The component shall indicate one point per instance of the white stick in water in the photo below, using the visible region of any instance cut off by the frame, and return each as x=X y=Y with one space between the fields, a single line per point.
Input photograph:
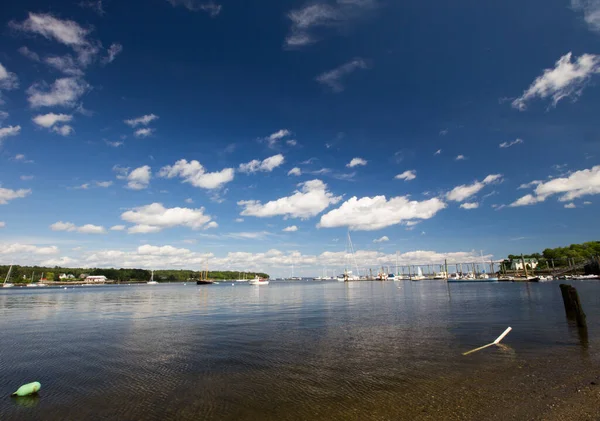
x=496 y=342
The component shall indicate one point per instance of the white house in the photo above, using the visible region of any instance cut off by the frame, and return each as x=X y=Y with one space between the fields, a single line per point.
x=96 y=279
x=518 y=264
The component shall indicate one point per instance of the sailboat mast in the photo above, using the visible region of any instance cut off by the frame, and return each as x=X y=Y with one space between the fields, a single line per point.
x=8 y=275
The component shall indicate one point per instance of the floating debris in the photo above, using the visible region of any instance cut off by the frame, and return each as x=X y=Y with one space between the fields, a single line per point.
x=28 y=389
x=496 y=342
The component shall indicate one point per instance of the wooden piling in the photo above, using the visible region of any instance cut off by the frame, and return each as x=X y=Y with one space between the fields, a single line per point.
x=573 y=307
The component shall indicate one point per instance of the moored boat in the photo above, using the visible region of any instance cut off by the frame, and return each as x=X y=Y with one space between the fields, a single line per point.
x=258 y=281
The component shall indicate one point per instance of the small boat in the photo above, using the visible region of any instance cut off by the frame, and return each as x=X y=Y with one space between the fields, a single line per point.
x=440 y=275
x=7 y=284
x=204 y=278
x=240 y=279
x=152 y=281
x=259 y=281
x=419 y=276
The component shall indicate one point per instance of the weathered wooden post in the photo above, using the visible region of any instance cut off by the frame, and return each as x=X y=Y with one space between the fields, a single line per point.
x=572 y=304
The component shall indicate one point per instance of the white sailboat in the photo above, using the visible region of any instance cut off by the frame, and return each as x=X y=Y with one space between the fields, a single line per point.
x=419 y=276
x=152 y=281
x=7 y=284
x=240 y=279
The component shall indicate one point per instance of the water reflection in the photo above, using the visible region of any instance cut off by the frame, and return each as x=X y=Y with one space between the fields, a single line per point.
x=316 y=350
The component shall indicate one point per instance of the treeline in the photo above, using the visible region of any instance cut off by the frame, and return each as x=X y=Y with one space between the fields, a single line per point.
x=563 y=256
x=24 y=274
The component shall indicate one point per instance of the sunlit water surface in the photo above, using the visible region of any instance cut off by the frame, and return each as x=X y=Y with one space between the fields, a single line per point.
x=289 y=350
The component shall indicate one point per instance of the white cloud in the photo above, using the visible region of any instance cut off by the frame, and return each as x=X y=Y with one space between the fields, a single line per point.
x=591 y=12
x=143 y=120
x=310 y=200
x=587 y=203
x=291 y=142
x=65 y=64
x=509 y=144
x=2 y=224
x=277 y=136
x=8 y=80
x=309 y=21
x=333 y=78
x=7 y=194
x=145 y=132
x=443 y=132
x=95 y=5
x=27 y=249
x=209 y=7
x=194 y=173
x=139 y=178
x=383 y=239
x=355 y=162
x=460 y=158
x=239 y=219
x=407 y=175
x=373 y=213
x=84 y=229
x=84 y=186
x=472 y=205
x=26 y=52
x=266 y=165
x=50 y=119
x=65 y=130
x=155 y=217
x=118 y=228
x=9 y=131
x=26 y=177
x=575 y=185
x=438 y=152
x=566 y=79
x=114 y=144
x=63 y=92
x=292 y=228
x=570 y=206
x=104 y=183
x=113 y=51
x=21 y=158
x=66 y=32
x=295 y=171
x=3 y=116
x=189 y=200
x=464 y=191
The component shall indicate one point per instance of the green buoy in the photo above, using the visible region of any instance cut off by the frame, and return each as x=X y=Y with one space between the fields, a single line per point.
x=28 y=389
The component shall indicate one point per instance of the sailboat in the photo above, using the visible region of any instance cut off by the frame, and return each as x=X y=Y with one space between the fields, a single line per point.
x=419 y=276
x=152 y=281
x=348 y=275
x=7 y=284
x=240 y=279
x=204 y=277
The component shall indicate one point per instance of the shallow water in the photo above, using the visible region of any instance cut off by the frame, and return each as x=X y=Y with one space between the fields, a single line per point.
x=289 y=350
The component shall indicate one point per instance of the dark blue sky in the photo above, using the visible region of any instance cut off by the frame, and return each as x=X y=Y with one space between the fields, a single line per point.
x=101 y=101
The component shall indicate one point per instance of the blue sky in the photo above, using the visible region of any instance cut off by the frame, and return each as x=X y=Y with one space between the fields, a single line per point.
x=171 y=132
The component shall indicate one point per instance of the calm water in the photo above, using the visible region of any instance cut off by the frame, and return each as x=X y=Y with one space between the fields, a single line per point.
x=296 y=350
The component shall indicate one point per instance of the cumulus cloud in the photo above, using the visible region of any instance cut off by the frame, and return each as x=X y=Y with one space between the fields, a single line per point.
x=118 y=228
x=104 y=184
x=577 y=184
x=155 y=217
x=472 y=205
x=9 y=131
x=333 y=78
x=115 y=144
x=292 y=228
x=591 y=12
x=113 y=51
x=383 y=239
x=566 y=80
x=407 y=175
x=570 y=206
x=50 y=119
x=63 y=92
x=464 y=191
x=273 y=139
x=266 y=165
x=84 y=229
x=141 y=121
x=311 y=199
x=509 y=144
x=27 y=249
x=65 y=130
x=7 y=195
x=460 y=158
x=65 y=64
x=355 y=162
x=309 y=22
x=209 y=7
x=295 y=171
x=194 y=173
x=373 y=213
x=139 y=178
x=144 y=132
x=8 y=80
